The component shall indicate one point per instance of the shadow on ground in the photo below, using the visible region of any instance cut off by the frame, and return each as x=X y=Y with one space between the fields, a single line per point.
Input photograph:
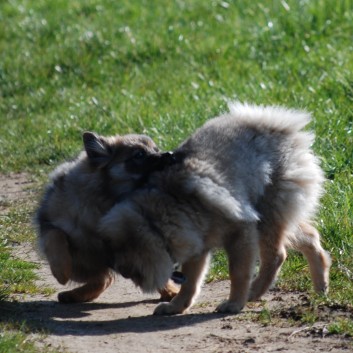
x=45 y=316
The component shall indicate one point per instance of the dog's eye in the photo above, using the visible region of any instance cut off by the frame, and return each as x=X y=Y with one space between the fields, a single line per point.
x=139 y=154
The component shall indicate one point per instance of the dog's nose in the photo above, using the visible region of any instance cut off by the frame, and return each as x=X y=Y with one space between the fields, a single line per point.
x=159 y=161
x=168 y=158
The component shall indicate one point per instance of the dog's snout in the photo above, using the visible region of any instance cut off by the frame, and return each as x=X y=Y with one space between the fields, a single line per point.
x=167 y=158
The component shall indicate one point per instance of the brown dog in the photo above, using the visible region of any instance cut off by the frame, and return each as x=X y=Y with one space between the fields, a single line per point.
x=245 y=181
x=80 y=192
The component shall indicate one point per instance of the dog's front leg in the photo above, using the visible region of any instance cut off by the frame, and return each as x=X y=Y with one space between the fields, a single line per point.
x=242 y=250
x=194 y=271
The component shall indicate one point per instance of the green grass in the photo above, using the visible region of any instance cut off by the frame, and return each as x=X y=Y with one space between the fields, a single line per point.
x=15 y=343
x=16 y=276
x=163 y=68
x=342 y=326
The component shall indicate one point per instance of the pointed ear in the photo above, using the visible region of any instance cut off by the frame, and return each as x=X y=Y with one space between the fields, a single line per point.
x=97 y=149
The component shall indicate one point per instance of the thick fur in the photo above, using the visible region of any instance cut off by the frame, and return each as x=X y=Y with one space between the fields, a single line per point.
x=248 y=182
x=79 y=193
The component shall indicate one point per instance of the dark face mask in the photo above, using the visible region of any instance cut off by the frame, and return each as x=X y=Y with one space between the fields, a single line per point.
x=145 y=164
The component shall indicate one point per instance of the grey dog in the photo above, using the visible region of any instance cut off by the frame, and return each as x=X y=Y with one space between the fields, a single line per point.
x=248 y=182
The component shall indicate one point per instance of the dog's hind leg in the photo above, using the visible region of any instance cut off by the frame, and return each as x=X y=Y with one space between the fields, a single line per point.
x=242 y=250
x=89 y=291
x=272 y=256
x=194 y=271
x=307 y=241
x=55 y=245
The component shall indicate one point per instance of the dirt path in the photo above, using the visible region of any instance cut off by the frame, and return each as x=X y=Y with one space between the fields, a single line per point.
x=121 y=321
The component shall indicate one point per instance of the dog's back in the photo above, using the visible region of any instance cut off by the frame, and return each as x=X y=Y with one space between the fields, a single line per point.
x=263 y=158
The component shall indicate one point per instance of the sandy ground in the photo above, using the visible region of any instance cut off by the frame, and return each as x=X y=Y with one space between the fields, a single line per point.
x=121 y=320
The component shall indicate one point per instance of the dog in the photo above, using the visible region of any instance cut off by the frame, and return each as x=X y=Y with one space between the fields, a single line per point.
x=246 y=181
x=79 y=194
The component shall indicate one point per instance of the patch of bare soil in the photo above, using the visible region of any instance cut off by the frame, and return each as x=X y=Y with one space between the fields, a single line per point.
x=121 y=320
x=13 y=187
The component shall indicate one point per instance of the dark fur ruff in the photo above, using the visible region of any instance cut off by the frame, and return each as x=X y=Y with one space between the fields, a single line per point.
x=79 y=193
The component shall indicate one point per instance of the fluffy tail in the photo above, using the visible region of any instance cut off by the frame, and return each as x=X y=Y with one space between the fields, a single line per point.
x=274 y=117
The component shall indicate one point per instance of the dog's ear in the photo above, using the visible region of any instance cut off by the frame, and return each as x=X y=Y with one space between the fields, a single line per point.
x=97 y=149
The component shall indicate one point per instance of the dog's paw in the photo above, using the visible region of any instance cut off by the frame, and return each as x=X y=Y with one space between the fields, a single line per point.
x=67 y=297
x=75 y=296
x=255 y=292
x=229 y=307
x=166 y=309
x=253 y=297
